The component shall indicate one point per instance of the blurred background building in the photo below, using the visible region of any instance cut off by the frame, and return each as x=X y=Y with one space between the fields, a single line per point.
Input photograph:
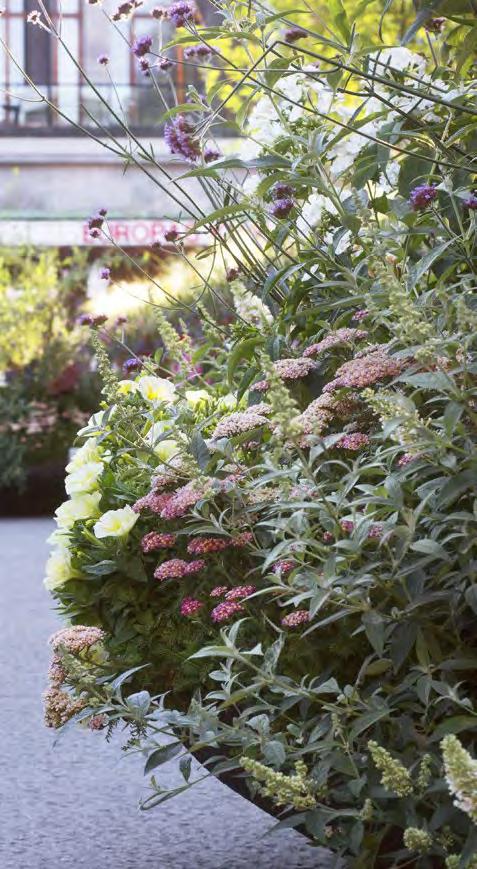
x=52 y=175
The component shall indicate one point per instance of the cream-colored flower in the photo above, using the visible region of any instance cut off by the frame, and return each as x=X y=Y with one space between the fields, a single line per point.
x=166 y=449
x=156 y=389
x=58 y=568
x=197 y=397
x=116 y=523
x=127 y=387
x=79 y=507
x=85 y=479
x=89 y=452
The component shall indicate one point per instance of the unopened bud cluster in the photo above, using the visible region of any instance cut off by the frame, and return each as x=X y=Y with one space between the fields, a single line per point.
x=284 y=790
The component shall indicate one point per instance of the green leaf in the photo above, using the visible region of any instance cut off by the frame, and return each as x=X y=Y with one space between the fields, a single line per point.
x=422 y=267
x=119 y=680
x=185 y=764
x=275 y=753
x=471 y=597
x=101 y=568
x=162 y=755
x=374 y=627
x=454 y=724
x=367 y=720
x=179 y=110
x=430 y=547
x=242 y=350
x=212 y=652
x=199 y=449
x=140 y=701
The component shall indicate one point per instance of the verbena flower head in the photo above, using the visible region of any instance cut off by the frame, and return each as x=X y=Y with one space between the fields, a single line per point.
x=240 y=591
x=105 y=274
x=210 y=153
x=471 y=202
x=422 y=196
x=225 y=610
x=155 y=540
x=190 y=606
x=142 y=46
x=293 y=34
x=282 y=207
x=180 y=137
x=296 y=618
x=182 y=13
x=177 y=568
x=103 y=59
x=182 y=499
x=284 y=566
x=132 y=364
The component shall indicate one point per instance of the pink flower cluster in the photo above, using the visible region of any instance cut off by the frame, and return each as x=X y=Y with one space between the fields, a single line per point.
x=284 y=567
x=374 y=532
x=153 y=501
x=287 y=369
x=334 y=339
x=155 y=540
x=237 y=423
x=219 y=591
x=406 y=459
x=295 y=619
x=76 y=638
x=365 y=370
x=225 y=610
x=240 y=591
x=178 y=502
x=190 y=606
x=355 y=441
x=206 y=545
x=176 y=568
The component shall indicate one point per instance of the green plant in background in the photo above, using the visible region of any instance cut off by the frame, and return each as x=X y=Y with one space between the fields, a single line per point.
x=277 y=542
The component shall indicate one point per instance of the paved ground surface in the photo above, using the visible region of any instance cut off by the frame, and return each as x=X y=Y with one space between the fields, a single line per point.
x=74 y=803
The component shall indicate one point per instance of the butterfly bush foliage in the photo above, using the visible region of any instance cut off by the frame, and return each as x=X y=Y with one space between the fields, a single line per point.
x=280 y=552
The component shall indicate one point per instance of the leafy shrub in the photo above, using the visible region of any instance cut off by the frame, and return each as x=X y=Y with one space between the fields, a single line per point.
x=284 y=544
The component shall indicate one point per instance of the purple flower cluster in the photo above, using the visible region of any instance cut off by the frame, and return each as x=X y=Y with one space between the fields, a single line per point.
x=132 y=364
x=179 y=136
x=295 y=619
x=225 y=610
x=406 y=459
x=105 y=274
x=182 y=13
x=142 y=46
x=92 y=319
x=95 y=223
x=281 y=207
x=177 y=568
x=201 y=52
x=190 y=606
x=359 y=315
x=471 y=202
x=211 y=153
x=155 y=540
x=232 y=273
x=125 y=10
x=76 y=638
x=293 y=34
x=288 y=369
x=422 y=196
x=103 y=59
x=334 y=339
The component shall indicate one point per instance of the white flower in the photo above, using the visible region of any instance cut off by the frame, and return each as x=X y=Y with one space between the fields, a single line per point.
x=127 y=387
x=58 y=568
x=388 y=179
x=156 y=389
x=249 y=306
x=79 y=507
x=95 y=425
x=312 y=211
x=166 y=449
x=89 y=452
x=197 y=397
x=116 y=523
x=399 y=58
x=84 y=479
x=251 y=183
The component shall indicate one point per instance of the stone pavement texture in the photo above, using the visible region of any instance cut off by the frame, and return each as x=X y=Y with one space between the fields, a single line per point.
x=72 y=801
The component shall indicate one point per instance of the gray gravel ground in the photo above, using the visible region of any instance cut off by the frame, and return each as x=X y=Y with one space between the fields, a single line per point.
x=73 y=801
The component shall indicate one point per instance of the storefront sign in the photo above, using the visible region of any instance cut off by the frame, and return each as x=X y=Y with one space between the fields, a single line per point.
x=75 y=233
